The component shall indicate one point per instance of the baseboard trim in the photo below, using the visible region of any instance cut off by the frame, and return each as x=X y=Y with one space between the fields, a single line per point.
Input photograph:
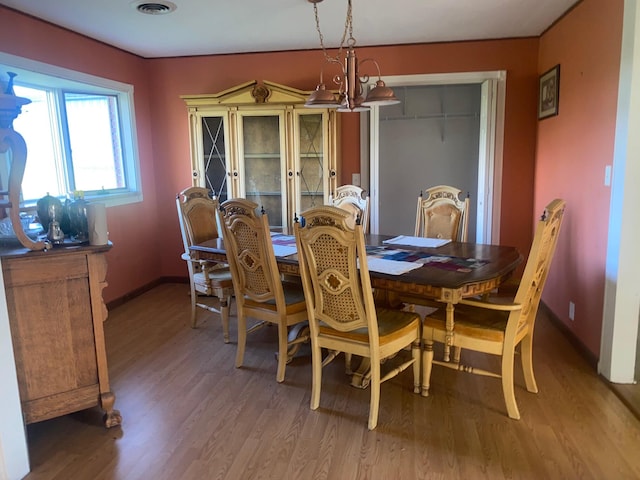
x=623 y=392
x=587 y=354
x=145 y=288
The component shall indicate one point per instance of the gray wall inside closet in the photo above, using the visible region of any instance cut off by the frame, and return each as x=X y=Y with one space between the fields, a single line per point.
x=431 y=138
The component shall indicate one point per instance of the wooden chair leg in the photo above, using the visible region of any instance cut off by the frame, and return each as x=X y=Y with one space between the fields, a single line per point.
x=283 y=347
x=427 y=365
x=194 y=300
x=507 y=385
x=225 y=302
x=375 y=393
x=242 y=339
x=316 y=383
x=526 y=354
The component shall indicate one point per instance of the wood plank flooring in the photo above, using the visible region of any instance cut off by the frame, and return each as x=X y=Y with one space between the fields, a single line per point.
x=189 y=414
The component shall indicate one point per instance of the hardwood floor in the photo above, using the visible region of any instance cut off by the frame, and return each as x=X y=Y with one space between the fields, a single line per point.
x=189 y=414
x=630 y=396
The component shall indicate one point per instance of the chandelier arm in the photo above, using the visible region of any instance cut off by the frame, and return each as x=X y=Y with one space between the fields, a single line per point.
x=377 y=68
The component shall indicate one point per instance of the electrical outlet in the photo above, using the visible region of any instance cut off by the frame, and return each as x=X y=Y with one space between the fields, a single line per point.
x=572 y=311
x=355 y=179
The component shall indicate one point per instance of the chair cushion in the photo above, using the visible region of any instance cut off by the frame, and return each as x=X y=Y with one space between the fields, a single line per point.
x=391 y=325
x=219 y=278
x=471 y=321
x=293 y=298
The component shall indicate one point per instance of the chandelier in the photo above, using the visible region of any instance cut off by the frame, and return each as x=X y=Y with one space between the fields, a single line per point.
x=351 y=91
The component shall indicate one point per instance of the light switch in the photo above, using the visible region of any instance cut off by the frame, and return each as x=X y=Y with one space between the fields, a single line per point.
x=355 y=179
x=607 y=176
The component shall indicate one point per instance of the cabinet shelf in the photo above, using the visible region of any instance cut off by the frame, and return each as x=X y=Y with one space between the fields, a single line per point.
x=275 y=156
x=263 y=194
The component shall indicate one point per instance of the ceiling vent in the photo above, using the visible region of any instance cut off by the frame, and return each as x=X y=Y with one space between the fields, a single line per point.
x=154 y=8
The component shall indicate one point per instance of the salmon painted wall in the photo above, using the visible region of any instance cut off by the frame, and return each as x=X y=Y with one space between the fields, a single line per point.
x=172 y=77
x=572 y=152
x=134 y=229
x=146 y=235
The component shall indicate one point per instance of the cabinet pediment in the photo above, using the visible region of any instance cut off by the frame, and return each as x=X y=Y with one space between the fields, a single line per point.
x=250 y=93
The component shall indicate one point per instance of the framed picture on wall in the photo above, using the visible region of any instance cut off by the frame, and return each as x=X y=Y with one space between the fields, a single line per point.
x=549 y=93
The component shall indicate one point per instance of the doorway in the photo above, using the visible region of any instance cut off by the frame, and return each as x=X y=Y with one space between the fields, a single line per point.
x=447 y=130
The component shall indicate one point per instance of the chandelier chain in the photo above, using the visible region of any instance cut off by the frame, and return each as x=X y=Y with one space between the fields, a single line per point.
x=348 y=28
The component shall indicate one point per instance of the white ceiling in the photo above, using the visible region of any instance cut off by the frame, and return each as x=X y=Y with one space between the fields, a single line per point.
x=202 y=27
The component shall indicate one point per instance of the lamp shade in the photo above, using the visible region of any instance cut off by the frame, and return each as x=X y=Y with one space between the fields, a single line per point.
x=321 y=98
x=381 y=95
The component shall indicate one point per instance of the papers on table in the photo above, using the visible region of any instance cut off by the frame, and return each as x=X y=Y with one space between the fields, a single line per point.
x=390 y=267
x=416 y=241
x=283 y=245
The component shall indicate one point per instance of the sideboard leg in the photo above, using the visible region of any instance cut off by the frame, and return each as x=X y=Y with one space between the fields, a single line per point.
x=112 y=418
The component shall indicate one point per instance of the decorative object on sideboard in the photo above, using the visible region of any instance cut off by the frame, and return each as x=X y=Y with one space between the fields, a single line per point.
x=77 y=211
x=50 y=215
x=351 y=92
x=14 y=149
x=97 y=224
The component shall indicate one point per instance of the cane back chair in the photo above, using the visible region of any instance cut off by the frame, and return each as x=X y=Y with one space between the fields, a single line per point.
x=497 y=326
x=441 y=214
x=260 y=291
x=197 y=218
x=342 y=314
x=354 y=200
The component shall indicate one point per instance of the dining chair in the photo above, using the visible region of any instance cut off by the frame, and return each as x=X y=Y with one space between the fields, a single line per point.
x=261 y=292
x=198 y=223
x=497 y=326
x=441 y=214
x=355 y=200
x=342 y=314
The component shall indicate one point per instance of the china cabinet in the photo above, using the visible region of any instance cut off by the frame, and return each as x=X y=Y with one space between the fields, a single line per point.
x=258 y=141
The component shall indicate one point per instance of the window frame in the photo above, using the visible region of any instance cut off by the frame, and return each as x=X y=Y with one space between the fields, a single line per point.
x=36 y=74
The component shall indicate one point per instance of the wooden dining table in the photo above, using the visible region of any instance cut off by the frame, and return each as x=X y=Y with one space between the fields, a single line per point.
x=468 y=270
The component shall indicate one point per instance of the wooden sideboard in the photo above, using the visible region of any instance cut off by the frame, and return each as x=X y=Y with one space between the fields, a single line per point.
x=56 y=312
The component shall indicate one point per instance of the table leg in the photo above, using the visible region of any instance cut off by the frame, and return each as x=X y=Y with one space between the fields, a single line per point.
x=449 y=334
x=362 y=376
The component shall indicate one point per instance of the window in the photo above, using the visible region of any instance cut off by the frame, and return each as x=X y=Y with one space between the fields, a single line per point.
x=79 y=131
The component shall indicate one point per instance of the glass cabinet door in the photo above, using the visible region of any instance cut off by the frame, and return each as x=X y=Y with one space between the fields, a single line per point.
x=215 y=159
x=261 y=157
x=311 y=167
x=257 y=141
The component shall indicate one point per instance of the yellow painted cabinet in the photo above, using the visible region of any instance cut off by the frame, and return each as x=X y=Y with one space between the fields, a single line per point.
x=258 y=141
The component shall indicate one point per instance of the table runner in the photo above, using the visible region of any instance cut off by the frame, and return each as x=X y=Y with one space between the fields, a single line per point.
x=444 y=262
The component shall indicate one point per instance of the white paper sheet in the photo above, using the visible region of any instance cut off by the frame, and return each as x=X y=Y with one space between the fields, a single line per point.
x=390 y=267
x=416 y=241
x=283 y=245
x=283 y=250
